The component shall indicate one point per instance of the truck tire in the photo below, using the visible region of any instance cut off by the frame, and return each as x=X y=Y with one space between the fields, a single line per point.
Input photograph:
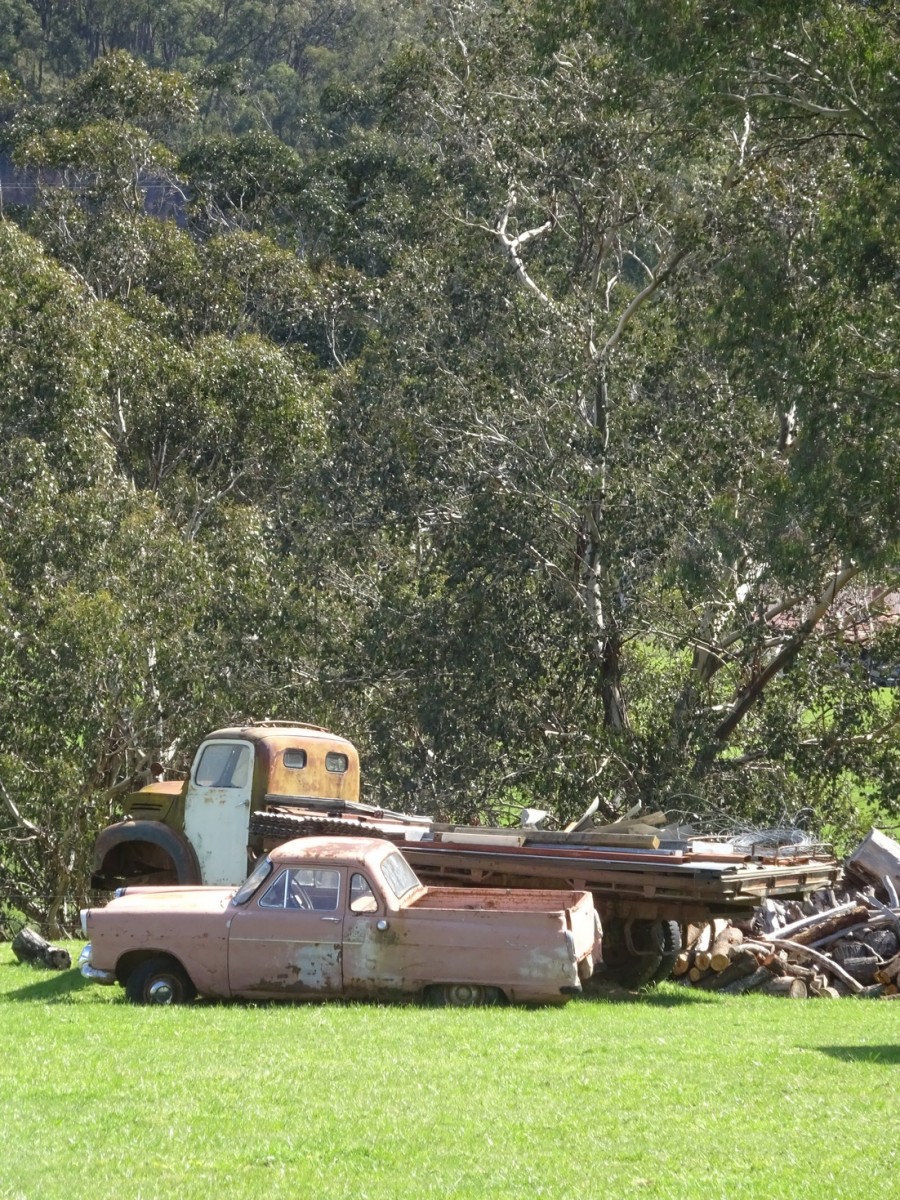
x=639 y=953
x=670 y=943
x=159 y=981
x=462 y=995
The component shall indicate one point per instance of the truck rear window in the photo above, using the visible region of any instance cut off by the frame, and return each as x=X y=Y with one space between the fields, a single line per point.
x=336 y=762
x=399 y=875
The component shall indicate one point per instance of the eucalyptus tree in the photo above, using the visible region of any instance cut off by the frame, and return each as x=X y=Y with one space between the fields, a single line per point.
x=635 y=384
x=162 y=407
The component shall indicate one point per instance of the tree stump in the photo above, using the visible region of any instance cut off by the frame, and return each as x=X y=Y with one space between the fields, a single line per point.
x=30 y=947
x=785 y=985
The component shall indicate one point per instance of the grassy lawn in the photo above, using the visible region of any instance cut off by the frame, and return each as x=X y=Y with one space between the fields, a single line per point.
x=671 y=1095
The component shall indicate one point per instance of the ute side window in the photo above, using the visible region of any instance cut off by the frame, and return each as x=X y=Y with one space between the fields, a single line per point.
x=273 y=896
x=336 y=763
x=258 y=875
x=294 y=760
x=321 y=888
x=224 y=765
x=307 y=888
x=362 y=898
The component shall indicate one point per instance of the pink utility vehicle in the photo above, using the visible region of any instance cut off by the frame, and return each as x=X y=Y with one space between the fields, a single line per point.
x=324 y=917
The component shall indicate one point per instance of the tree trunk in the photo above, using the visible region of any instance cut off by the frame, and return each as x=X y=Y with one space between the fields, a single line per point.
x=30 y=947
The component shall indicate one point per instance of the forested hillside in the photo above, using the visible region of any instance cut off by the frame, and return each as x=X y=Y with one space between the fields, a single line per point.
x=512 y=387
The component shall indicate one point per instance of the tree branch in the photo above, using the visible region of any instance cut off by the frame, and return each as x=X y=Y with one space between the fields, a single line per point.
x=512 y=246
x=757 y=685
x=639 y=300
x=17 y=816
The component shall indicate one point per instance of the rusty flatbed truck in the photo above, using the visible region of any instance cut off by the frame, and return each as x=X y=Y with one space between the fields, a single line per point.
x=255 y=786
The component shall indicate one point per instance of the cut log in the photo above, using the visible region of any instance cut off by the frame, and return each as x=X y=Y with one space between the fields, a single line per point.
x=769 y=916
x=796 y=971
x=883 y=942
x=760 y=976
x=30 y=947
x=702 y=960
x=827 y=923
x=723 y=948
x=888 y=971
x=814 y=921
x=682 y=964
x=784 y=985
x=704 y=940
x=879 y=921
x=744 y=964
x=695 y=974
x=691 y=935
x=764 y=951
x=861 y=967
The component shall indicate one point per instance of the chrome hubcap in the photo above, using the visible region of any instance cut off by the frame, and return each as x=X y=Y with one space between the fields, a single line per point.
x=161 y=992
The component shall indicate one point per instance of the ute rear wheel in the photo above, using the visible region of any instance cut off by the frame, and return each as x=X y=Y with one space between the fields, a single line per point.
x=159 y=981
x=463 y=995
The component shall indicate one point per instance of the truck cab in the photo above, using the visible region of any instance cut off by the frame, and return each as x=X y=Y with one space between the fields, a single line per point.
x=197 y=830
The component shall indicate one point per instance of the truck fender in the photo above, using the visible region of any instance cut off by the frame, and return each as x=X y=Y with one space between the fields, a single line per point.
x=120 y=843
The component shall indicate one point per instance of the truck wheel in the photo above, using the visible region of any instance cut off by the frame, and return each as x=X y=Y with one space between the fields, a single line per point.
x=159 y=981
x=669 y=936
x=640 y=952
x=463 y=995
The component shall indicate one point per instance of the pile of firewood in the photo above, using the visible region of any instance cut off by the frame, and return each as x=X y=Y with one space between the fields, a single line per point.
x=840 y=942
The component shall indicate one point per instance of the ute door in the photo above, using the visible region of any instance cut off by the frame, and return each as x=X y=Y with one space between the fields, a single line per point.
x=217 y=810
x=287 y=942
x=380 y=955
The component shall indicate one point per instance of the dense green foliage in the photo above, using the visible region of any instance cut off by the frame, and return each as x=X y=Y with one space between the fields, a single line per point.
x=511 y=386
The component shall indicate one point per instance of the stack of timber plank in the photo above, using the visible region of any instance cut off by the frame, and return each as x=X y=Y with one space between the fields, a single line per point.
x=843 y=941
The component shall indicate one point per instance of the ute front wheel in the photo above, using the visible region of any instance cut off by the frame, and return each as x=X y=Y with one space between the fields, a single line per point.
x=463 y=995
x=159 y=981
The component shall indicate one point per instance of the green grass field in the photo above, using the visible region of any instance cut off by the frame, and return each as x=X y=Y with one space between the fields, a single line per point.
x=674 y=1094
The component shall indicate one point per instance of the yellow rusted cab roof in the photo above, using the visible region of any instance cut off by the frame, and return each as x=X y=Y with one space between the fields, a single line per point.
x=267 y=731
x=327 y=767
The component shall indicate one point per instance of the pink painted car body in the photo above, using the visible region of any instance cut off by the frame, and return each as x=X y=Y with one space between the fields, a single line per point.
x=342 y=918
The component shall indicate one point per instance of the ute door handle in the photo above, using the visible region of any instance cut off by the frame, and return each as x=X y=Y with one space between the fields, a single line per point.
x=331 y=918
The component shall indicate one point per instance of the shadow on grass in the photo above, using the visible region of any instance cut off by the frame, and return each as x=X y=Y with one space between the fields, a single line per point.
x=886 y=1056
x=611 y=993
x=60 y=986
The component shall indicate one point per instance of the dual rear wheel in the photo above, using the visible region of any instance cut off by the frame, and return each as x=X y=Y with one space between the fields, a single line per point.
x=639 y=953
